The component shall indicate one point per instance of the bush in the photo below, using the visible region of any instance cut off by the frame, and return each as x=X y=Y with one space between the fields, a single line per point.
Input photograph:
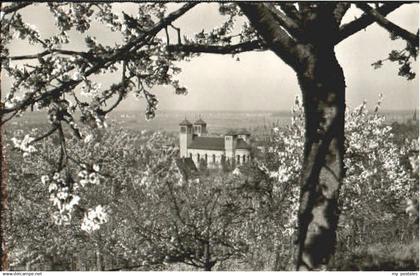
x=391 y=256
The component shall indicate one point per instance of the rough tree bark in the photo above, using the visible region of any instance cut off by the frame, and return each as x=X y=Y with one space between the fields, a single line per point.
x=208 y=265
x=323 y=91
x=322 y=83
x=99 y=259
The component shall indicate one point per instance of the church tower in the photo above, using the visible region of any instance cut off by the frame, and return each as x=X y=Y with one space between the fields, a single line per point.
x=200 y=127
x=230 y=145
x=185 y=137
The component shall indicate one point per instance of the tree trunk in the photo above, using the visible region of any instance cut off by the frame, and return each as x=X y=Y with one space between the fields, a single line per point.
x=99 y=263
x=277 y=260
x=311 y=54
x=323 y=88
x=207 y=258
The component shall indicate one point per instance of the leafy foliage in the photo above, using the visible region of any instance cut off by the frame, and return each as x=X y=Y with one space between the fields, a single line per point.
x=404 y=59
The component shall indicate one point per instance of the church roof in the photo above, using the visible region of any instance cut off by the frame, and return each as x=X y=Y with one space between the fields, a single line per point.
x=200 y=122
x=215 y=143
x=185 y=123
x=241 y=144
x=208 y=143
x=241 y=131
x=231 y=132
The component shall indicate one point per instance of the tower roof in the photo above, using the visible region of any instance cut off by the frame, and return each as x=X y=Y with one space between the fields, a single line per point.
x=200 y=122
x=185 y=123
x=243 y=131
x=233 y=132
x=241 y=144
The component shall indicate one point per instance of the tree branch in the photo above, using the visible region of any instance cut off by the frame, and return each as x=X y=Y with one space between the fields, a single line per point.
x=120 y=94
x=15 y=7
x=117 y=55
x=178 y=33
x=277 y=39
x=286 y=22
x=290 y=10
x=51 y=131
x=340 y=10
x=63 y=151
x=10 y=117
x=388 y=25
x=47 y=52
x=216 y=49
x=365 y=20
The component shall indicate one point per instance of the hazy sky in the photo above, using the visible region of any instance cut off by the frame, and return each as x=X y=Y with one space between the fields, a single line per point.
x=260 y=80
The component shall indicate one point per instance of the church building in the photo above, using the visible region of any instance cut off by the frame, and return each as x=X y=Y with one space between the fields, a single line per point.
x=194 y=142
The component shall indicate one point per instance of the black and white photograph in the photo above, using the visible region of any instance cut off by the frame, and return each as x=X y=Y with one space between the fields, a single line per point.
x=209 y=136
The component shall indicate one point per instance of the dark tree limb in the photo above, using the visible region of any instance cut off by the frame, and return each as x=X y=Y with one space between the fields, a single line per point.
x=47 y=52
x=9 y=118
x=216 y=49
x=365 y=20
x=341 y=10
x=120 y=94
x=286 y=22
x=290 y=10
x=63 y=151
x=48 y=133
x=388 y=25
x=304 y=9
x=15 y=7
x=178 y=33
x=277 y=39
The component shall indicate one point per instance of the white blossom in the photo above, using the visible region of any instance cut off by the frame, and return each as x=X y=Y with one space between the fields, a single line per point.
x=45 y=179
x=24 y=145
x=52 y=187
x=95 y=167
x=76 y=76
x=93 y=178
x=56 y=176
x=93 y=219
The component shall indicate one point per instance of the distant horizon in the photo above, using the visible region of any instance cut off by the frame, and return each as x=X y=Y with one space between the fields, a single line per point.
x=218 y=120
x=232 y=110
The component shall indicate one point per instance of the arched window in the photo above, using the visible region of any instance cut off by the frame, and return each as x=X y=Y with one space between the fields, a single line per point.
x=205 y=157
x=198 y=157
x=191 y=155
x=243 y=158
x=238 y=159
x=214 y=158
